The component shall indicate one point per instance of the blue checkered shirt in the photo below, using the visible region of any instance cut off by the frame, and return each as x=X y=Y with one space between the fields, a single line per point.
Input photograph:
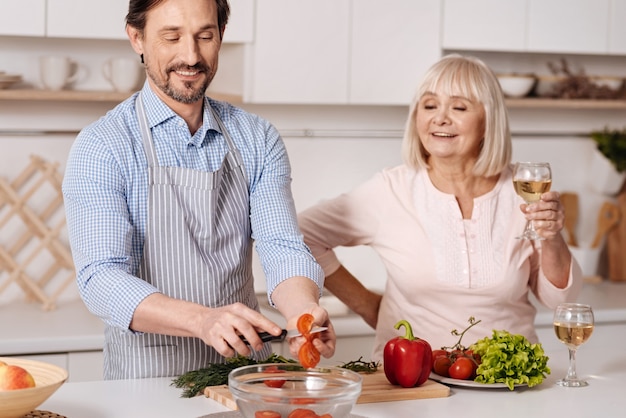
x=106 y=187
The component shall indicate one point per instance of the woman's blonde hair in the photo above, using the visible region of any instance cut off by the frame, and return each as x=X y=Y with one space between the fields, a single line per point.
x=469 y=77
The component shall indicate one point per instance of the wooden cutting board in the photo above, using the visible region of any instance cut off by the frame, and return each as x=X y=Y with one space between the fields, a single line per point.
x=375 y=388
x=616 y=244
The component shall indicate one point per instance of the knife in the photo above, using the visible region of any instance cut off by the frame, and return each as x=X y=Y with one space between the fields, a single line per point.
x=266 y=336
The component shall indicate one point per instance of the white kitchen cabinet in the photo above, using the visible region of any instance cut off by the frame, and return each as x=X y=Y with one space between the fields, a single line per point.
x=617 y=28
x=87 y=19
x=565 y=26
x=97 y=20
x=488 y=25
x=23 y=18
x=391 y=49
x=240 y=28
x=300 y=52
x=84 y=366
x=341 y=51
x=537 y=26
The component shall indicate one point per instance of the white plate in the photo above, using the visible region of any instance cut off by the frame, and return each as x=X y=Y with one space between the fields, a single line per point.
x=468 y=383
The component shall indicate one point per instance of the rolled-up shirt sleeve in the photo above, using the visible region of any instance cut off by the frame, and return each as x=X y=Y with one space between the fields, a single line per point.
x=101 y=233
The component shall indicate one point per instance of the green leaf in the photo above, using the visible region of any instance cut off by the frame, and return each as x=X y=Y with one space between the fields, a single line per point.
x=510 y=359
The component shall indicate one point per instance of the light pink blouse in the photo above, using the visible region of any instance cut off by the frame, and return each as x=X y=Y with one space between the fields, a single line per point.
x=441 y=269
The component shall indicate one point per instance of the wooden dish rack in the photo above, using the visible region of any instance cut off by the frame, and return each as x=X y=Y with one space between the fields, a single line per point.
x=37 y=239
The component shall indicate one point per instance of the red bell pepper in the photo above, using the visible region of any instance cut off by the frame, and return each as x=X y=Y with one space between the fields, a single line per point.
x=407 y=360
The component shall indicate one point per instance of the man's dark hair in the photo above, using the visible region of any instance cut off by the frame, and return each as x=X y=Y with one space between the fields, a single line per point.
x=137 y=10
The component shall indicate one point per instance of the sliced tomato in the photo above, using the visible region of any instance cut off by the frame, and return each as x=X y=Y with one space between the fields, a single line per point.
x=267 y=414
x=302 y=401
x=302 y=413
x=305 y=323
x=274 y=383
x=308 y=355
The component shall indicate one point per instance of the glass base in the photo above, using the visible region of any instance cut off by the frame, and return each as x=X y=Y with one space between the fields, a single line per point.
x=572 y=383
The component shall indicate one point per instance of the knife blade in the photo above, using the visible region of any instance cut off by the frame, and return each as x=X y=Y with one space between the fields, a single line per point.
x=266 y=336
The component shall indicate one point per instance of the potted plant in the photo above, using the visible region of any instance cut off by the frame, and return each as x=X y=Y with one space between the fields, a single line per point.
x=609 y=163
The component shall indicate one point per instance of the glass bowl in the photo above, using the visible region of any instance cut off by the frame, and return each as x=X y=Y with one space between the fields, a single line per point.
x=284 y=387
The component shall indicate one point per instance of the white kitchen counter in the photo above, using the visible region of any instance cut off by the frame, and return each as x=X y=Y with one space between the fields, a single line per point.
x=602 y=361
x=25 y=328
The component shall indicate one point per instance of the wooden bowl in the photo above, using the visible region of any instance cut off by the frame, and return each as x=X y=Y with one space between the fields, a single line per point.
x=19 y=402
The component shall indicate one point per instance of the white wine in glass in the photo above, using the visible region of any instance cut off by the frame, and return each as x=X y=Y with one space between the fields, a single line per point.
x=573 y=325
x=530 y=181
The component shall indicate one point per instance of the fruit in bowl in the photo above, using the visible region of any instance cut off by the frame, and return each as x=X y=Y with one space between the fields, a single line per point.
x=516 y=85
x=289 y=390
x=26 y=384
x=13 y=377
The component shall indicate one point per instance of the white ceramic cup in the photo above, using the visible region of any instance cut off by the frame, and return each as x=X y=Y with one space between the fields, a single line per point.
x=123 y=73
x=57 y=72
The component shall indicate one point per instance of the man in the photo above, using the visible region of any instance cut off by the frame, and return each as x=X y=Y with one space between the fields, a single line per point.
x=164 y=196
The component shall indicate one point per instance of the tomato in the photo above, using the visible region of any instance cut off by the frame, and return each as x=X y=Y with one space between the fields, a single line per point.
x=305 y=323
x=308 y=355
x=439 y=353
x=462 y=368
x=302 y=401
x=475 y=356
x=441 y=365
x=302 y=413
x=267 y=414
x=457 y=353
x=274 y=383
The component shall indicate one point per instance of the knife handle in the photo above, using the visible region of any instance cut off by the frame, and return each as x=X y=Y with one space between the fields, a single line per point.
x=266 y=336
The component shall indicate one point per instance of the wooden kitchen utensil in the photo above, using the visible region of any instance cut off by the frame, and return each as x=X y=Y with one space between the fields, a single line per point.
x=570 y=203
x=616 y=244
x=375 y=388
x=608 y=217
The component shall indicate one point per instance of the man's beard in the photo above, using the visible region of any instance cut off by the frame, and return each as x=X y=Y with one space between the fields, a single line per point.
x=187 y=95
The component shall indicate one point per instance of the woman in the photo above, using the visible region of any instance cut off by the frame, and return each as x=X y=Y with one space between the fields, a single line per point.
x=444 y=223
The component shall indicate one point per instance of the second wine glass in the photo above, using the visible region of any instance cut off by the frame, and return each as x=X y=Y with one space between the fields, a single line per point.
x=531 y=180
x=573 y=325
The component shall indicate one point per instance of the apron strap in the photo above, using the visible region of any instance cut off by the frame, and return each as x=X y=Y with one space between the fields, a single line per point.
x=145 y=131
x=234 y=157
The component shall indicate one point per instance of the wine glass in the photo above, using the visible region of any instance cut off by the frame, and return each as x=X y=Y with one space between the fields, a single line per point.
x=530 y=180
x=573 y=325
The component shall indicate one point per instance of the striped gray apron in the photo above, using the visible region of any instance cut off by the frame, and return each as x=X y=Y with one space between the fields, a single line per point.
x=197 y=247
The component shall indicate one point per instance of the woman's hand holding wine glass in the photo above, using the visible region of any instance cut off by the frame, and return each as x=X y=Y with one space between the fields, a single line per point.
x=573 y=325
x=531 y=180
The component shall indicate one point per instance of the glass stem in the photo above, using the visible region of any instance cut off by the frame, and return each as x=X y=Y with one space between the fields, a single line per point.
x=571 y=370
x=530 y=228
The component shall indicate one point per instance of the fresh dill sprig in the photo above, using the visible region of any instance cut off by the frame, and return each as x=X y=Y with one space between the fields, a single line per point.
x=194 y=382
x=361 y=366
